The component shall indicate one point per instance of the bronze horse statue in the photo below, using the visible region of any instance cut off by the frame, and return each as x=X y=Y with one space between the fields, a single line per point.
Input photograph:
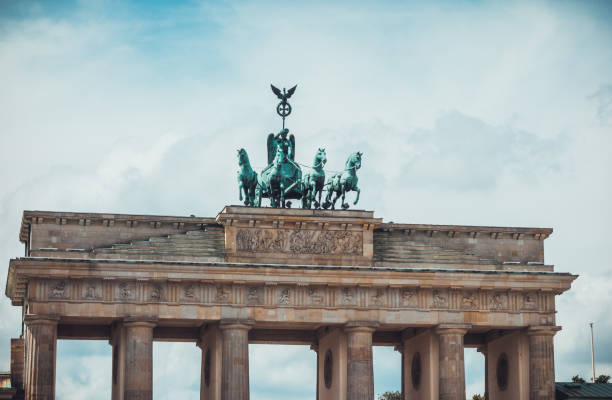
x=270 y=182
x=343 y=182
x=247 y=179
x=313 y=182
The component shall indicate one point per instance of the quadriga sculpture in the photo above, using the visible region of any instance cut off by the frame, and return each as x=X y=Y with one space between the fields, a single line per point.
x=247 y=179
x=343 y=182
x=313 y=181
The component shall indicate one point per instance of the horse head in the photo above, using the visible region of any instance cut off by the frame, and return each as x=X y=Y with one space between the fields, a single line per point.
x=243 y=157
x=354 y=161
x=320 y=158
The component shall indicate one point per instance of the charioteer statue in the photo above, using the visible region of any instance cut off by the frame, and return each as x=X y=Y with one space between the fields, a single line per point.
x=282 y=179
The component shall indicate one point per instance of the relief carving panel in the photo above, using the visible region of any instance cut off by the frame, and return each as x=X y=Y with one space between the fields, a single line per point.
x=125 y=291
x=377 y=297
x=58 y=290
x=190 y=292
x=91 y=290
x=283 y=296
x=157 y=292
x=498 y=301
x=348 y=296
x=529 y=301
x=469 y=300
x=409 y=298
x=255 y=295
x=439 y=298
x=316 y=296
x=299 y=241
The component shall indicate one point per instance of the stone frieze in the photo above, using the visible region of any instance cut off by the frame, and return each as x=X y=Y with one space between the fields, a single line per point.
x=293 y=241
x=299 y=295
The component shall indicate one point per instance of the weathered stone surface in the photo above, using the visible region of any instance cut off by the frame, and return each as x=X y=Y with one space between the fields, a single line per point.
x=359 y=370
x=541 y=362
x=40 y=345
x=294 y=276
x=452 y=371
x=235 y=363
x=17 y=363
x=138 y=359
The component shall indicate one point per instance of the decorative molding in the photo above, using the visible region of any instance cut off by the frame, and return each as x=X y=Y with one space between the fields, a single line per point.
x=298 y=295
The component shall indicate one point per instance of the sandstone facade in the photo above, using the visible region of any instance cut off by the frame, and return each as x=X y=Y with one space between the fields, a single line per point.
x=340 y=281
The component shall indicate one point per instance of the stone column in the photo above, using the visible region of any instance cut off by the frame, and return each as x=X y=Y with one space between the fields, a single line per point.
x=210 y=378
x=452 y=372
x=117 y=342
x=235 y=359
x=40 y=351
x=359 y=369
x=483 y=351
x=138 y=359
x=541 y=362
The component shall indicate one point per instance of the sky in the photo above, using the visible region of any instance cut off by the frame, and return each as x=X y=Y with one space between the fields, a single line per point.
x=467 y=112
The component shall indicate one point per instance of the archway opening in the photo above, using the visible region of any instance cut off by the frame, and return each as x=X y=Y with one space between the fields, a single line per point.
x=474 y=363
x=176 y=370
x=83 y=370
x=280 y=372
x=387 y=370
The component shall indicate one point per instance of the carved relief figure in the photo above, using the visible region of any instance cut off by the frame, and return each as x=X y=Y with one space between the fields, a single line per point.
x=156 y=292
x=379 y=297
x=125 y=290
x=439 y=298
x=498 y=301
x=529 y=301
x=58 y=289
x=90 y=292
x=189 y=291
x=347 y=295
x=253 y=294
x=409 y=297
x=315 y=296
x=469 y=300
x=299 y=241
x=222 y=294
x=284 y=297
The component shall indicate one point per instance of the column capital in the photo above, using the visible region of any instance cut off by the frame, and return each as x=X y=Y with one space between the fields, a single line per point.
x=37 y=319
x=543 y=330
x=452 y=329
x=149 y=322
x=361 y=326
x=234 y=323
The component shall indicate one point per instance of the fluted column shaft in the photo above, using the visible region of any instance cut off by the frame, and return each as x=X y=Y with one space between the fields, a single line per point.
x=360 y=370
x=139 y=359
x=541 y=362
x=40 y=353
x=452 y=371
x=235 y=360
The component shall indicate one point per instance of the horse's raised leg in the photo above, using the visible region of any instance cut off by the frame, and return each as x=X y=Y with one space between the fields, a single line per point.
x=240 y=188
x=358 y=192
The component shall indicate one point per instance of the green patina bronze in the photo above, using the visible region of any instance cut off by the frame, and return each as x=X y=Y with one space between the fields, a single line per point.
x=282 y=180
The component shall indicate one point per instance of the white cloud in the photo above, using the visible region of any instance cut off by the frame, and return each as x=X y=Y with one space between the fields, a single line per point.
x=494 y=114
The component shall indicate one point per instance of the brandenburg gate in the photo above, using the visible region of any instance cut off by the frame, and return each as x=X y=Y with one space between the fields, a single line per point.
x=340 y=281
